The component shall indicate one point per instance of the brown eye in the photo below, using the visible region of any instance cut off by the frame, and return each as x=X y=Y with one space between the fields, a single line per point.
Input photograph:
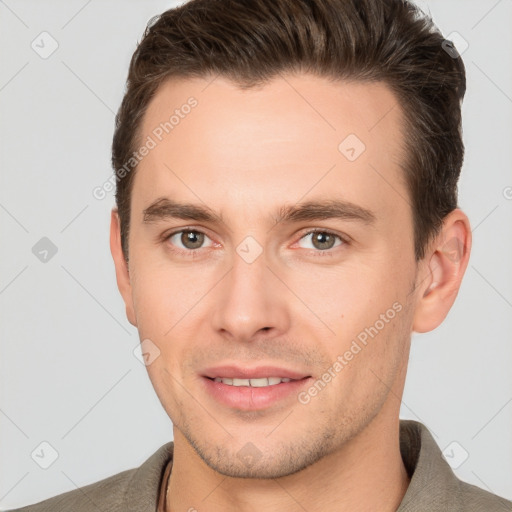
x=187 y=240
x=192 y=239
x=322 y=240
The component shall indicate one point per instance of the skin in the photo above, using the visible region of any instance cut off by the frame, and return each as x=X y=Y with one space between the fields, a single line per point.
x=244 y=154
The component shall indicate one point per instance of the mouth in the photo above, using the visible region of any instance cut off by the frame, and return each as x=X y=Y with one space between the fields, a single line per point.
x=247 y=389
x=244 y=373
x=253 y=383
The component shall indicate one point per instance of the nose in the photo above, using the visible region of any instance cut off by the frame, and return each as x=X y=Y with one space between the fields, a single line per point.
x=251 y=301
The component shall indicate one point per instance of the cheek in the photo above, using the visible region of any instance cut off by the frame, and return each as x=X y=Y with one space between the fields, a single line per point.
x=369 y=355
x=365 y=307
x=170 y=302
x=349 y=296
x=163 y=293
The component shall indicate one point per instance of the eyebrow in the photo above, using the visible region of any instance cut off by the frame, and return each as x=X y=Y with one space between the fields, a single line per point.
x=165 y=208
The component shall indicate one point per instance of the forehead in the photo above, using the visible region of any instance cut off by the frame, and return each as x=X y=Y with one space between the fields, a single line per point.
x=295 y=136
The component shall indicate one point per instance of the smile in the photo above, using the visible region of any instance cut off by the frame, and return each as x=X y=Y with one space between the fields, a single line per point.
x=254 y=383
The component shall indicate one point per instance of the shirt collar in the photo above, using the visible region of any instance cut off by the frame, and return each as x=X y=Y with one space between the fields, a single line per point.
x=433 y=485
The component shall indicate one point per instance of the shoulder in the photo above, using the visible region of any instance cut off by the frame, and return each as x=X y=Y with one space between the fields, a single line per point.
x=133 y=489
x=473 y=498
x=434 y=486
x=102 y=495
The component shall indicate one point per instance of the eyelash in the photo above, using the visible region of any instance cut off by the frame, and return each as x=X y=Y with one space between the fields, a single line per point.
x=318 y=253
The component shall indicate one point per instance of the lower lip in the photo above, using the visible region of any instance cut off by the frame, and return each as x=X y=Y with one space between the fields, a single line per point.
x=247 y=398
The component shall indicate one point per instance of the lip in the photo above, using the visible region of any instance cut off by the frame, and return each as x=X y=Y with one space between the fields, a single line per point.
x=247 y=398
x=239 y=372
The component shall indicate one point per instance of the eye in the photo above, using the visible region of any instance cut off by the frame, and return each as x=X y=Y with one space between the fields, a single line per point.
x=190 y=239
x=322 y=240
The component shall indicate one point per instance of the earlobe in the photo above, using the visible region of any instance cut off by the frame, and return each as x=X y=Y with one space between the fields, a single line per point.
x=121 y=266
x=446 y=263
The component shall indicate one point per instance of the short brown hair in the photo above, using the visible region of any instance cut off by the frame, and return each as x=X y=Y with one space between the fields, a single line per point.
x=252 y=41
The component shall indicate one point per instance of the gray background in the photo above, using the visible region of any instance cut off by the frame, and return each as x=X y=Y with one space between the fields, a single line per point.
x=68 y=372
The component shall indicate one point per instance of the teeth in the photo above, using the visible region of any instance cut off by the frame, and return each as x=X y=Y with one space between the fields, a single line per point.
x=259 y=383
x=254 y=383
x=241 y=382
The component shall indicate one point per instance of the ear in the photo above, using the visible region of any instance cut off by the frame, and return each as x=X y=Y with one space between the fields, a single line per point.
x=122 y=271
x=444 y=266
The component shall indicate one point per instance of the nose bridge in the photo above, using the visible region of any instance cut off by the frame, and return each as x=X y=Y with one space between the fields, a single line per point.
x=248 y=279
x=247 y=301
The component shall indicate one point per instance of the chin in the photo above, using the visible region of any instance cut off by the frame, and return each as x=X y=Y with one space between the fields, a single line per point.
x=251 y=462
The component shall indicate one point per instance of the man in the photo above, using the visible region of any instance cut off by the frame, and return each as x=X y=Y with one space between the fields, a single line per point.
x=286 y=218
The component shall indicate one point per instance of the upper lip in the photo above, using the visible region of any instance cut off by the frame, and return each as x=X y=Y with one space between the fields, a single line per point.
x=243 y=372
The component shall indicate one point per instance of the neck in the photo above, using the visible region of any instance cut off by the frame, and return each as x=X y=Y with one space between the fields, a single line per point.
x=366 y=474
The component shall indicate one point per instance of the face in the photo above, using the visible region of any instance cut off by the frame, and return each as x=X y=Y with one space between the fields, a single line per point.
x=294 y=259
